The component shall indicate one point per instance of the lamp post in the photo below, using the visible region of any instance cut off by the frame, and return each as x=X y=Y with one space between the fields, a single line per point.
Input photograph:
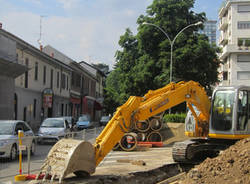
x=172 y=41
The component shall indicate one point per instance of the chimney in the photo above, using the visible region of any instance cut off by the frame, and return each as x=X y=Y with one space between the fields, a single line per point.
x=41 y=48
x=1 y=25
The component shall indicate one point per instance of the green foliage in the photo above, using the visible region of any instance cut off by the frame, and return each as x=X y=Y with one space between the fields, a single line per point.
x=247 y=43
x=143 y=62
x=176 y=118
x=240 y=42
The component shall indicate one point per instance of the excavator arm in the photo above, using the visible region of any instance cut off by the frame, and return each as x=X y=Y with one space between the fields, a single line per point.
x=153 y=103
x=136 y=109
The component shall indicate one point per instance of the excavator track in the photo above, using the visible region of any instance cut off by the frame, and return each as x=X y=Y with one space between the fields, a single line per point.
x=196 y=150
x=180 y=151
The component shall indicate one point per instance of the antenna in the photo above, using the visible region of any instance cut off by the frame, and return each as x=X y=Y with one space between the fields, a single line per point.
x=40 y=35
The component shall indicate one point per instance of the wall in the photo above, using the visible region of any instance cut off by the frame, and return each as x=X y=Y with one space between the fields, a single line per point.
x=6 y=97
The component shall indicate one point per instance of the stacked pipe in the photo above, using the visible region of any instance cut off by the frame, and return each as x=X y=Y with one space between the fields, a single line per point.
x=145 y=133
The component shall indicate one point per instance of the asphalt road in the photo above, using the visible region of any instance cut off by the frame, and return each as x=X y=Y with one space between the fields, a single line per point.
x=153 y=157
x=9 y=169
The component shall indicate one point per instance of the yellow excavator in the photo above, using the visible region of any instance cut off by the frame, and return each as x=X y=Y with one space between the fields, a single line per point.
x=214 y=124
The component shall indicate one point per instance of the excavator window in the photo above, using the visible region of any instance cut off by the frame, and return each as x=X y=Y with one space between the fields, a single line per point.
x=242 y=111
x=222 y=108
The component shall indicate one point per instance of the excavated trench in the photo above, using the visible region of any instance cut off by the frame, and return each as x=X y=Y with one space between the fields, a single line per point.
x=147 y=177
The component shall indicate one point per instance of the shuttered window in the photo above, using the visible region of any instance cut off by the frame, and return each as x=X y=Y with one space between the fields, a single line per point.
x=243 y=8
x=243 y=58
x=243 y=75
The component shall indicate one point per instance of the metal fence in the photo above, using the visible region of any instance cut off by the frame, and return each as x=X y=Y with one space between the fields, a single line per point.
x=32 y=163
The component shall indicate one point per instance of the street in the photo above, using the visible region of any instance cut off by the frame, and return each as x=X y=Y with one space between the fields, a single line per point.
x=9 y=169
x=154 y=157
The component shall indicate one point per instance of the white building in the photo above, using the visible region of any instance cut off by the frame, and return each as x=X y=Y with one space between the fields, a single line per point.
x=210 y=30
x=234 y=25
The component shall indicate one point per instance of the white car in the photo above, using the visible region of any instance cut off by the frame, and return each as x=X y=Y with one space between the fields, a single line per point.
x=9 y=144
x=53 y=129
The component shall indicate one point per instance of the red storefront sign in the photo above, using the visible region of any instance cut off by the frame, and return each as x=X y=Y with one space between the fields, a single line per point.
x=47 y=98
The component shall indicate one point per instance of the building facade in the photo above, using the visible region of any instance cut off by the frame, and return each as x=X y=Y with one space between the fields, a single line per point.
x=210 y=30
x=84 y=86
x=234 y=25
x=44 y=89
x=9 y=70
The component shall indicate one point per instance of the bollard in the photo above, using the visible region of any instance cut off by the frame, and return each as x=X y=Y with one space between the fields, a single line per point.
x=29 y=159
x=20 y=177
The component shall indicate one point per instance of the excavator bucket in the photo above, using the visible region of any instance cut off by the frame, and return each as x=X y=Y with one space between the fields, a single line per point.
x=69 y=156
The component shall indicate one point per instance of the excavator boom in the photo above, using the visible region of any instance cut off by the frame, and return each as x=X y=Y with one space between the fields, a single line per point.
x=126 y=116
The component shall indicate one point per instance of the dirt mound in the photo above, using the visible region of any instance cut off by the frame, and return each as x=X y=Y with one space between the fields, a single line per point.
x=231 y=166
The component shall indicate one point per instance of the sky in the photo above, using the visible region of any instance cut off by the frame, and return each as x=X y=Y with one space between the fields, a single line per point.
x=84 y=30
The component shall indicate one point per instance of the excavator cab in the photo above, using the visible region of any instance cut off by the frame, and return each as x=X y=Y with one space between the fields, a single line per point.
x=230 y=113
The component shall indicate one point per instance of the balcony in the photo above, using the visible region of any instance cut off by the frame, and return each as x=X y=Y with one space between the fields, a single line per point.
x=223 y=23
x=226 y=50
x=223 y=40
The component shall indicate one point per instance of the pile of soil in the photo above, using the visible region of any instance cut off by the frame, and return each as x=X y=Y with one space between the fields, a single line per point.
x=231 y=166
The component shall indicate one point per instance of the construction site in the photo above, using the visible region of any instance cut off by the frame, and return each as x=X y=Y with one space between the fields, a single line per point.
x=155 y=165
x=150 y=151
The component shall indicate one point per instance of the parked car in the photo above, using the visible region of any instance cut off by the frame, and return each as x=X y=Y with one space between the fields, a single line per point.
x=53 y=129
x=9 y=143
x=84 y=121
x=104 y=120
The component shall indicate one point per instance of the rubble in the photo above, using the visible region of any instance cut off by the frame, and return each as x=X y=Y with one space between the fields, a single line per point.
x=231 y=166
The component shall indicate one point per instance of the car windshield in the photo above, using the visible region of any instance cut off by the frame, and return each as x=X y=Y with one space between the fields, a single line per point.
x=56 y=123
x=6 y=128
x=84 y=118
x=105 y=118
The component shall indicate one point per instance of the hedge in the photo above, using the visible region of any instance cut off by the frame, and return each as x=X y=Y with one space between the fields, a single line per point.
x=176 y=118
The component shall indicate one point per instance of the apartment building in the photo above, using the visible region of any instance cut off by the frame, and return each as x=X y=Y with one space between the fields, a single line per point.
x=234 y=26
x=210 y=30
x=83 y=92
x=44 y=89
x=9 y=70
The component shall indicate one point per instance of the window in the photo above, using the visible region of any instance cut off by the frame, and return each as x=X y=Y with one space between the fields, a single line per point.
x=62 y=109
x=36 y=71
x=66 y=109
x=51 y=78
x=57 y=83
x=63 y=81
x=244 y=25
x=26 y=79
x=67 y=83
x=34 y=109
x=225 y=75
x=243 y=8
x=243 y=58
x=44 y=75
x=243 y=75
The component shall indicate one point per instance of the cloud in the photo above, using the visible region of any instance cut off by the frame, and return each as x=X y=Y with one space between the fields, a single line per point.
x=69 y=4
x=82 y=29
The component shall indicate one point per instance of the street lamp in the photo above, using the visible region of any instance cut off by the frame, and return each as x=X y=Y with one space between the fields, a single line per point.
x=172 y=41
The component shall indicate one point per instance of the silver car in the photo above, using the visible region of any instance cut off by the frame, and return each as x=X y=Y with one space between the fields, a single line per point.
x=53 y=129
x=9 y=143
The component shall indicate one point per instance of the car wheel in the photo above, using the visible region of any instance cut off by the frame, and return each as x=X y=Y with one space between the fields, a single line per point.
x=13 y=152
x=33 y=148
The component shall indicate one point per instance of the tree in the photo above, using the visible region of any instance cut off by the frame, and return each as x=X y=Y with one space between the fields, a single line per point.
x=143 y=63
